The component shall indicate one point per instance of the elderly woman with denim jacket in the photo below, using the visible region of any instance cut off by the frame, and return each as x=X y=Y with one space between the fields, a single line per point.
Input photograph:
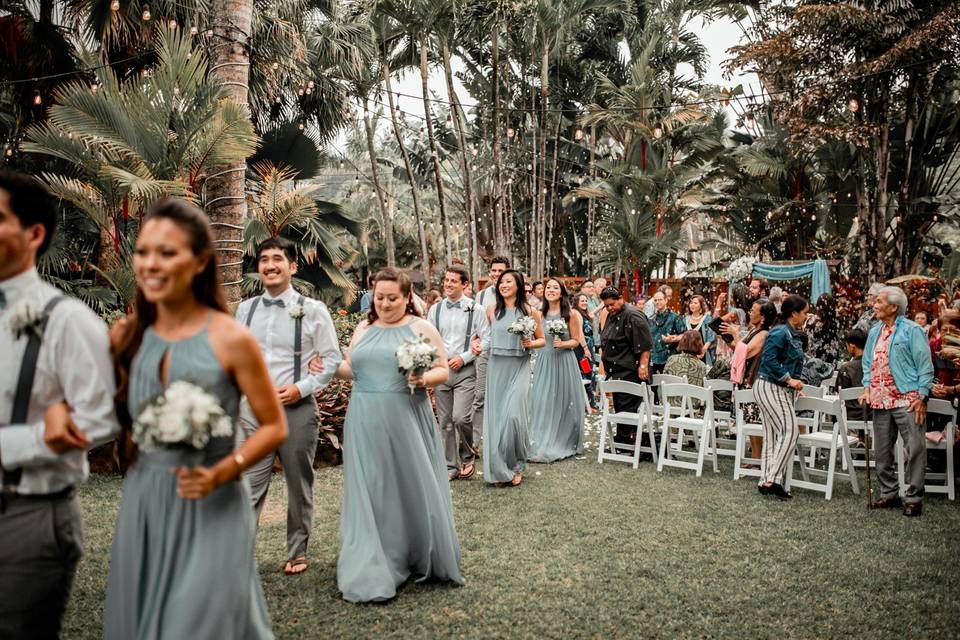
x=775 y=390
x=897 y=379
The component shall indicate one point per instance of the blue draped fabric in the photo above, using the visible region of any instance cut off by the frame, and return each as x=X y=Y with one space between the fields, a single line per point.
x=816 y=270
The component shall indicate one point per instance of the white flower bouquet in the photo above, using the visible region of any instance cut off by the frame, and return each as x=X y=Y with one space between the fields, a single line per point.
x=416 y=356
x=556 y=327
x=740 y=268
x=524 y=326
x=184 y=414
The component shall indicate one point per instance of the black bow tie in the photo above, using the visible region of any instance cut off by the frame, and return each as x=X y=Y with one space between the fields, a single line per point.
x=451 y=305
x=273 y=303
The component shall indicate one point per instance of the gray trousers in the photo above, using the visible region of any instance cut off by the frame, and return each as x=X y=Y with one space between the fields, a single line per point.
x=41 y=542
x=455 y=406
x=296 y=455
x=886 y=425
x=479 y=393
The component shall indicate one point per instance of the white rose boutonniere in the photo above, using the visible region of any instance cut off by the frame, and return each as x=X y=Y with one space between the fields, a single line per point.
x=26 y=318
x=297 y=311
x=468 y=306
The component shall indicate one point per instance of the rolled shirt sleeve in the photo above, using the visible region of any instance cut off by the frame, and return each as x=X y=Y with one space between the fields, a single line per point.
x=327 y=347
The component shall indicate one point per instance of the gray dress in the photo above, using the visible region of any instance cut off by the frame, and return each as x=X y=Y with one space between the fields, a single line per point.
x=397 y=516
x=558 y=403
x=507 y=411
x=183 y=568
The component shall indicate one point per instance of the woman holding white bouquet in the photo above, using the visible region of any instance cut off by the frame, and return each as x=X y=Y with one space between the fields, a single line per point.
x=515 y=329
x=397 y=515
x=558 y=400
x=182 y=563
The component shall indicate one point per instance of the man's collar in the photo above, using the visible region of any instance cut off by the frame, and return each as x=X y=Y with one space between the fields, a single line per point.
x=285 y=296
x=19 y=284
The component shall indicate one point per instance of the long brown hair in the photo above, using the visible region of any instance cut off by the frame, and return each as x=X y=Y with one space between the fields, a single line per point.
x=391 y=274
x=206 y=289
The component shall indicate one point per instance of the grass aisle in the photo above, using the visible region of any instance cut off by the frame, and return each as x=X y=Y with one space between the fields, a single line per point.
x=584 y=550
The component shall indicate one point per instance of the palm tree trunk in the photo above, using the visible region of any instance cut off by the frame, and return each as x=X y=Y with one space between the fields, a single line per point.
x=414 y=191
x=542 y=196
x=438 y=179
x=499 y=219
x=552 y=211
x=460 y=125
x=225 y=201
x=386 y=220
x=591 y=204
x=903 y=201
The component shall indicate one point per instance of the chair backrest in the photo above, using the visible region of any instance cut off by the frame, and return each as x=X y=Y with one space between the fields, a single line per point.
x=663 y=378
x=620 y=386
x=689 y=392
x=941 y=408
x=850 y=393
x=716 y=384
x=812 y=392
x=833 y=408
x=831 y=382
x=743 y=396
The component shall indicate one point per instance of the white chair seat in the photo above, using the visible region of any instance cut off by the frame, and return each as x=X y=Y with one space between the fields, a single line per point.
x=823 y=439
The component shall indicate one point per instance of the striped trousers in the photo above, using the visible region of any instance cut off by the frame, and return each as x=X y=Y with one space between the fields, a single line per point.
x=780 y=431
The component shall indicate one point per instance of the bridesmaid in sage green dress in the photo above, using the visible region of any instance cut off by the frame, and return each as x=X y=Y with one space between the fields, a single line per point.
x=397 y=516
x=182 y=563
x=507 y=405
x=558 y=399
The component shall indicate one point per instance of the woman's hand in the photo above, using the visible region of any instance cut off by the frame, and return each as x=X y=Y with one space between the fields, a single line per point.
x=527 y=343
x=795 y=384
x=729 y=329
x=557 y=343
x=195 y=483
x=415 y=380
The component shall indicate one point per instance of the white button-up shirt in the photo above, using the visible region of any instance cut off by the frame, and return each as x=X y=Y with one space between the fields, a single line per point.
x=274 y=329
x=73 y=366
x=453 y=326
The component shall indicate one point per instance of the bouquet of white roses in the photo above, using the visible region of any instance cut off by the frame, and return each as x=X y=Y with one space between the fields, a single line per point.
x=416 y=356
x=556 y=327
x=184 y=414
x=524 y=326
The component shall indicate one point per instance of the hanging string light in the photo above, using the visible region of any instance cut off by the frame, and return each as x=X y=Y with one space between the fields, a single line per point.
x=172 y=24
x=37 y=99
x=115 y=6
x=578 y=134
x=194 y=30
x=146 y=13
x=657 y=131
x=853 y=103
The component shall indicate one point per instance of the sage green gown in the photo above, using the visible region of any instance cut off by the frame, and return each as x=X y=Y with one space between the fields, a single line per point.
x=507 y=404
x=558 y=403
x=397 y=516
x=183 y=568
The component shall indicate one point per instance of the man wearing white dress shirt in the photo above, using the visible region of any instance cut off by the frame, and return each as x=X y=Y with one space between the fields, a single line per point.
x=291 y=329
x=56 y=400
x=459 y=320
x=486 y=298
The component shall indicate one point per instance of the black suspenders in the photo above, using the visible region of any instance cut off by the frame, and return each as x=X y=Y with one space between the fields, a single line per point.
x=469 y=331
x=297 y=335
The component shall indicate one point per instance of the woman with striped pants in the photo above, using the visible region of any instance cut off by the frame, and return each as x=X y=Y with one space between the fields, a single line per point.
x=776 y=390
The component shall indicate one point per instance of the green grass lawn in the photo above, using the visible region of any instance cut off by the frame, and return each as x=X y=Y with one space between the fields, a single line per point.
x=588 y=550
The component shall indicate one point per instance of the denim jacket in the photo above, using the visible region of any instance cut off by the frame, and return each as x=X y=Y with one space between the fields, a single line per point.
x=782 y=356
x=910 y=360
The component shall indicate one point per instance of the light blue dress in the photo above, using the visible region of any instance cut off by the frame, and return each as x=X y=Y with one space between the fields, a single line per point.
x=397 y=515
x=506 y=407
x=558 y=402
x=183 y=568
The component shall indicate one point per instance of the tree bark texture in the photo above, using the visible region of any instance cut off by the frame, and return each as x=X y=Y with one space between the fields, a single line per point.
x=438 y=178
x=386 y=220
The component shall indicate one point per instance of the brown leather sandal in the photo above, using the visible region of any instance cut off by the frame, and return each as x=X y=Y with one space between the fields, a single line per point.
x=290 y=568
x=464 y=474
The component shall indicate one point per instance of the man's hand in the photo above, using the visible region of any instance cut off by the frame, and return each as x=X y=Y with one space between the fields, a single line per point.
x=475 y=347
x=288 y=393
x=864 y=398
x=939 y=390
x=315 y=366
x=643 y=371
x=455 y=364
x=919 y=408
x=60 y=433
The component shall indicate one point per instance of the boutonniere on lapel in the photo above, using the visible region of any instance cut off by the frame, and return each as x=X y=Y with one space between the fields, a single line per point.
x=297 y=311
x=468 y=306
x=26 y=318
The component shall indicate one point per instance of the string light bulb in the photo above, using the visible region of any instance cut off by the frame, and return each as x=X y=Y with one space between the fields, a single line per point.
x=658 y=132
x=275 y=66
x=310 y=84
x=146 y=13
x=172 y=24
x=629 y=191
x=115 y=6
x=578 y=134
x=510 y=132
x=37 y=99
x=194 y=30
x=853 y=103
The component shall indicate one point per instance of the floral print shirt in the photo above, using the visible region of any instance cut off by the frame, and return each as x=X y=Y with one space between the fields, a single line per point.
x=883 y=390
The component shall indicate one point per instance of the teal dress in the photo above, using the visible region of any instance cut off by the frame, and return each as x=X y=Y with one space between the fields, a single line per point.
x=506 y=407
x=183 y=568
x=397 y=516
x=558 y=403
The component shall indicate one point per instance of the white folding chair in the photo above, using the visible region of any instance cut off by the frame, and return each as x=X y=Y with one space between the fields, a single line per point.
x=658 y=402
x=830 y=384
x=835 y=439
x=722 y=419
x=643 y=420
x=701 y=428
x=745 y=429
x=810 y=424
x=858 y=450
x=937 y=408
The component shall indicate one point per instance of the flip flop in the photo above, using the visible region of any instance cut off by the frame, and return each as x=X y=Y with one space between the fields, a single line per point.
x=300 y=561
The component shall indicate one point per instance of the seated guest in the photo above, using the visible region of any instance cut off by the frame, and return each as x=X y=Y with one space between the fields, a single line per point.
x=776 y=297
x=850 y=373
x=687 y=362
x=922 y=319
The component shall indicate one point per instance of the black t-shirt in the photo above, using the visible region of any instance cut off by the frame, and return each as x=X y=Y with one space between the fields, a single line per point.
x=625 y=337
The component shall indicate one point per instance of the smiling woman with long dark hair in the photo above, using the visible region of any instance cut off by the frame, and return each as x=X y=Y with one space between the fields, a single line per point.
x=182 y=563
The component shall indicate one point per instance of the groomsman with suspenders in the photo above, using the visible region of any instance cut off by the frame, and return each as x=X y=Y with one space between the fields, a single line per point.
x=56 y=399
x=291 y=330
x=459 y=320
x=486 y=298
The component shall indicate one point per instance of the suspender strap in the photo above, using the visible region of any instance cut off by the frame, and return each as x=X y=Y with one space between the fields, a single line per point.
x=28 y=371
x=436 y=315
x=298 y=342
x=253 y=307
x=469 y=331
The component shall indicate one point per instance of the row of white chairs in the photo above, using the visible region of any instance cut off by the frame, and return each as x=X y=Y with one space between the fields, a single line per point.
x=825 y=431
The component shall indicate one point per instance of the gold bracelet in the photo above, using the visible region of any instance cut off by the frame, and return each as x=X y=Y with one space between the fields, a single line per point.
x=240 y=460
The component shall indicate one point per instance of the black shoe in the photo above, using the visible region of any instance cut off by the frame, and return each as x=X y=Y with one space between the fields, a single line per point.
x=893 y=502
x=763 y=489
x=778 y=491
x=913 y=509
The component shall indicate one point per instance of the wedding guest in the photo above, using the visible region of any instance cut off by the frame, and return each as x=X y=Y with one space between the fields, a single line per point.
x=745 y=362
x=666 y=327
x=698 y=319
x=182 y=563
x=626 y=353
x=56 y=401
x=867 y=319
x=459 y=321
x=823 y=329
x=467 y=291
x=505 y=437
x=922 y=319
x=366 y=296
x=776 y=392
x=687 y=363
x=397 y=516
x=758 y=288
x=487 y=299
x=558 y=403
x=850 y=373
x=532 y=299
x=291 y=329
x=776 y=297
x=538 y=290
x=589 y=290
x=433 y=296
x=897 y=379
x=588 y=349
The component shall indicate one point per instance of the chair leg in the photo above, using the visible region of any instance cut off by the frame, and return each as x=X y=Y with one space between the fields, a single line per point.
x=713 y=444
x=651 y=433
x=664 y=440
x=831 y=466
x=951 y=481
x=701 y=452
x=636 y=448
x=738 y=456
x=847 y=456
x=603 y=439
